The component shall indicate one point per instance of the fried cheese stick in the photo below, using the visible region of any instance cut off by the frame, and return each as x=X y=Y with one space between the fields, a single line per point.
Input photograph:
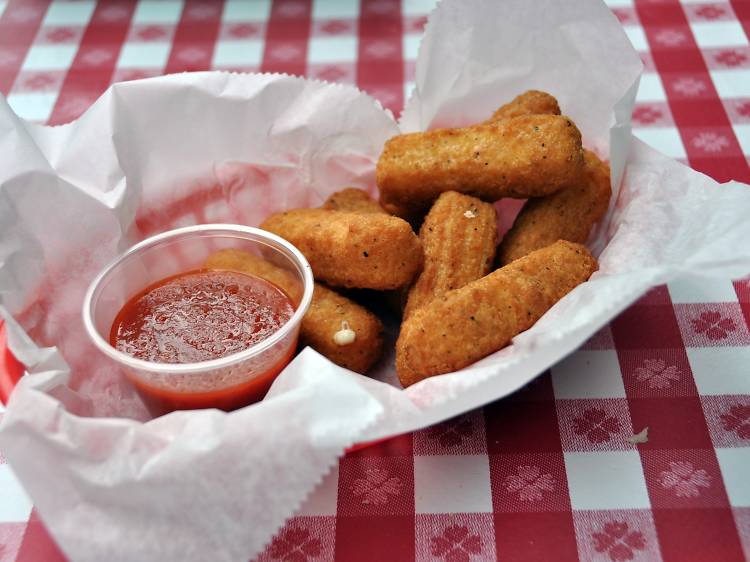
x=459 y=236
x=532 y=102
x=353 y=250
x=568 y=214
x=334 y=326
x=352 y=200
x=482 y=317
x=343 y=331
x=520 y=157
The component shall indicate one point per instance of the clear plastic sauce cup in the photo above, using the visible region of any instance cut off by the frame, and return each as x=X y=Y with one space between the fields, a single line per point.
x=228 y=382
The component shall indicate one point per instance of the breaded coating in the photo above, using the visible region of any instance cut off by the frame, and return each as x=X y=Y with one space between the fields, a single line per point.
x=331 y=313
x=482 y=317
x=352 y=200
x=525 y=156
x=353 y=250
x=532 y=102
x=459 y=236
x=566 y=215
x=245 y=262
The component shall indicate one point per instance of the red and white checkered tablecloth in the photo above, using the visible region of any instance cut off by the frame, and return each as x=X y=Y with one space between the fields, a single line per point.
x=551 y=473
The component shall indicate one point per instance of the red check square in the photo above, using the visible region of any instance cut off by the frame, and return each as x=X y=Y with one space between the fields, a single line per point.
x=521 y=427
x=647 y=326
x=652 y=373
x=523 y=537
x=374 y=539
x=697 y=534
x=674 y=423
x=454 y=536
x=683 y=479
x=372 y=486
x=530 y=482
x=616 y=535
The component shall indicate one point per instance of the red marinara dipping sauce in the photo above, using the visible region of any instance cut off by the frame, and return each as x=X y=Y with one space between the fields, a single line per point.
x=198 y=316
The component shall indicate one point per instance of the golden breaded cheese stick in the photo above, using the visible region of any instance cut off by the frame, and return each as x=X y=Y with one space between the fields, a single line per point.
x=343 y=331
x=466 y=324
x=353 y=250
x=245 y=262
x=532 y=102
x=459 y=236
x=521 y=157
x=324 y=325
x=566 y=215
x=352 y=200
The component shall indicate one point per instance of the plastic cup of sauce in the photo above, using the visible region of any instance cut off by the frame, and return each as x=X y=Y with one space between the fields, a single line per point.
x=189 y=337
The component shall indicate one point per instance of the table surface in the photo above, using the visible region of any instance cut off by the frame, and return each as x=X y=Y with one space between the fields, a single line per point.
x=551 y=472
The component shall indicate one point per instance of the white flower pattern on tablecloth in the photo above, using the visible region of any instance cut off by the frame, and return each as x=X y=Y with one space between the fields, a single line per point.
x=95 y=57
x=710 y=142
x=377 y=486
x=684 y=479
x=292 y=9
x=690 y=86
x=23 y=14
x=381 y=7
x=191 y=54
x=331 y=73
x=202 y=11
x=529 y=483
x=380 y=49
x=7 y=57
x=113 y=13
x=670 y=37
x=657 y=373
x=285 y=52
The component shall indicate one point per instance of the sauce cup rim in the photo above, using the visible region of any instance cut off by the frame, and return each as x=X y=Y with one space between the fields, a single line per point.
x=197 y=368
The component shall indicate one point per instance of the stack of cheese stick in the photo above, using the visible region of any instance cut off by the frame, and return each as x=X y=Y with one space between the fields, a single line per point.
x=464 y=296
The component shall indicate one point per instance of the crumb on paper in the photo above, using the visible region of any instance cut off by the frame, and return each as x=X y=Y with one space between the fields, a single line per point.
x=641 y=437
x=345 y=335
x=470 y=214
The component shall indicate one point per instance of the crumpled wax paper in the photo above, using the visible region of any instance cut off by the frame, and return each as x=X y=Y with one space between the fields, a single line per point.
x=215 y=147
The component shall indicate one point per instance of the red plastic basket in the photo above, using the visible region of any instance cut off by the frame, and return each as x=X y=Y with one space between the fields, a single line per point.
x=10 y=369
